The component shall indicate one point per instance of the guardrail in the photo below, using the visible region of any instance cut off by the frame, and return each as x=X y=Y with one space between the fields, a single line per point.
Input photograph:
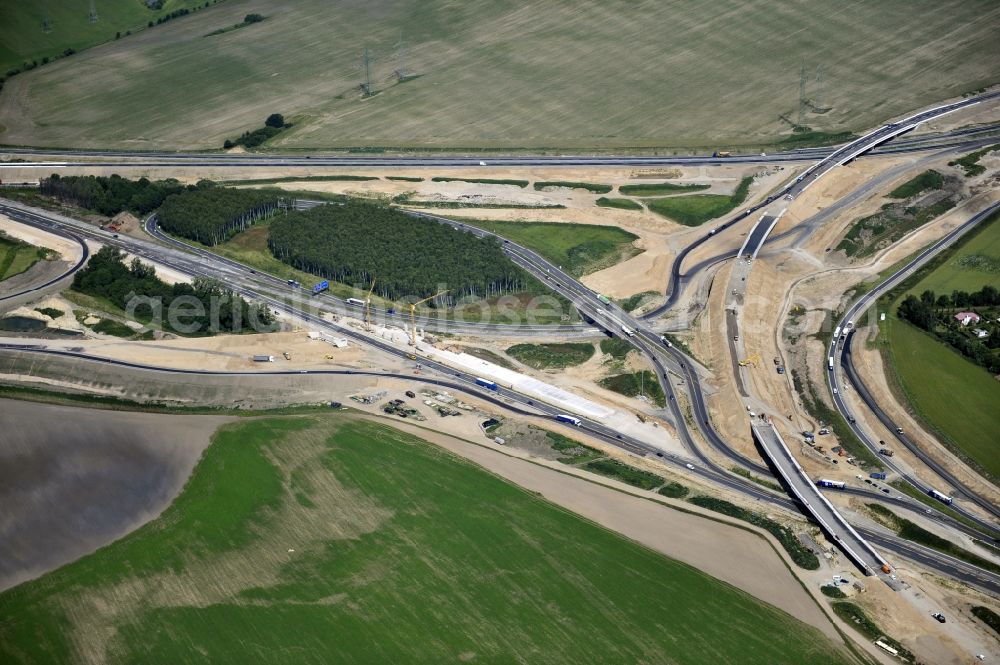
x=822 y=522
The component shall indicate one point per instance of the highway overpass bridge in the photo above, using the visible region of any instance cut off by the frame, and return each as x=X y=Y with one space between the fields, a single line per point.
x=832 y=522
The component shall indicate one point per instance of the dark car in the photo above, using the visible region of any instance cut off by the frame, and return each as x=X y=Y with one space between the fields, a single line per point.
x=939 y=617
x=410 y=394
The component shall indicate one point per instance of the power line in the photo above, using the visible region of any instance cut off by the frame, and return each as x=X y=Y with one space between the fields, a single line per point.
x=366 y=62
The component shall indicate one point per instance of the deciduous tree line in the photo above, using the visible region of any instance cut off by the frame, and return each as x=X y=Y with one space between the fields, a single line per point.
x=136 y=289
x=110 y=195
x=936 y=315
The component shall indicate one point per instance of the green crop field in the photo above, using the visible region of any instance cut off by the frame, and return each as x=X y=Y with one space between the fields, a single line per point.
x=24 y=37
x=952 y=394
x=975 y=264
x=577 y=248
x=552 y=356
x=553 y=73
x=326 y=539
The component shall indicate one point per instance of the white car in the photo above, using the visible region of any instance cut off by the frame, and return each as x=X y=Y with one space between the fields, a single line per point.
x=690 y=466
x=482 y=163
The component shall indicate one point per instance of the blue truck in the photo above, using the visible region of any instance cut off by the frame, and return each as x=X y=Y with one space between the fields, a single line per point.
x=878 y=475
x=322 y=286
x=489 y=385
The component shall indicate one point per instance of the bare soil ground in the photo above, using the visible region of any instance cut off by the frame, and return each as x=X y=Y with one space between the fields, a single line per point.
x=73 y=479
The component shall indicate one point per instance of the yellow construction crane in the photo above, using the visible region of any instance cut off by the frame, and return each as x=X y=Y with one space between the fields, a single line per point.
x=413 y=315
x=752 y=359
x=368 y=307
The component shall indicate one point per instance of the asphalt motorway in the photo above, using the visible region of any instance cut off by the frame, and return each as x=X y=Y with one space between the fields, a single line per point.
x=935 y=561
x=478 y=159
x=841 y=352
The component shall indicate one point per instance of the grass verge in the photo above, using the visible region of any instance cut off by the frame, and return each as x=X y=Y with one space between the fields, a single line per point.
x=909 y=490
x=578 y=249
x=802 y=557
x=987 y=616
x=853 y=614
x=16 y=256
x=571 y=452
x=589 y=186
x=621 y=204
x=616 y=347
x=831 y=418
x=659 y=189
x=698 y=209
x=930 y=179
x=625 y=473
x=904 y=528
x=636 y=384
x=552 y=356
x=483 y=181
x=673 y=491
x=831 y=591
x=304 y=178
x=740 y=471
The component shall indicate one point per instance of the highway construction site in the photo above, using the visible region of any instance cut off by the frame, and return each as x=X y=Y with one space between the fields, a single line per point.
x=739 y=332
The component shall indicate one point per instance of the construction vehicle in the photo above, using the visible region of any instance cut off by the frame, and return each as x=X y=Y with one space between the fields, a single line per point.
x=328 y=357
x=885 y=451
x=368 y=307
x=722 y=153
x=751 y=360
x=413 y=315
x=287 y=355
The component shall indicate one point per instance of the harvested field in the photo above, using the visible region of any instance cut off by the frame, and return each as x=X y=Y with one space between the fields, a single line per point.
x=561 y=74
x=74 y=479
x=288 y=531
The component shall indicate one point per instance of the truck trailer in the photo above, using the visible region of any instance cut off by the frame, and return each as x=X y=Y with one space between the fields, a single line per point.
x=485 y=383
x=836 y=484
x=563 y=418
x=943 y=498
x=829 y=363
x=628 y=331
x=263 y=359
